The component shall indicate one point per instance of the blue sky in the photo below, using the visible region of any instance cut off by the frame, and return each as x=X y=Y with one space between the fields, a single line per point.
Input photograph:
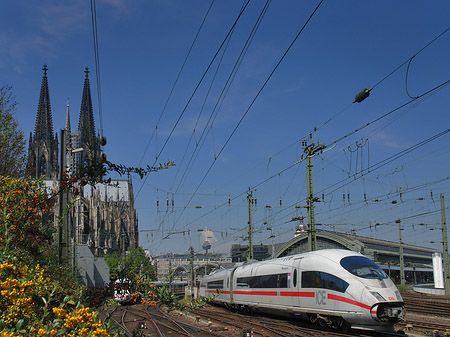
x=346 y=46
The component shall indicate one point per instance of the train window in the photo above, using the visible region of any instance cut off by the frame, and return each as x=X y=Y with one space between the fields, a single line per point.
x=282 y=280
x=264 y=281
x=244 y=282
x=215 y=284
x=361 y=266
x=317 y=279
x=295 y=277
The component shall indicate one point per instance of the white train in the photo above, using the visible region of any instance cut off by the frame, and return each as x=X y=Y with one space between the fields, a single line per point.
x=122 y=292
x=335 y=287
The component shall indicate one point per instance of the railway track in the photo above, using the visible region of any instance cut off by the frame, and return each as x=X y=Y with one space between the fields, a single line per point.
x=270 y=326
x=138 y=320
x=426 y=316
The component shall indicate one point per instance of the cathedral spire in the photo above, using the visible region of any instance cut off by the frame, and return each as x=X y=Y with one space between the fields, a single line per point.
x=67 y=128
x=86 y=124
x=67 y=117
x=43 y=147
x=44 y=123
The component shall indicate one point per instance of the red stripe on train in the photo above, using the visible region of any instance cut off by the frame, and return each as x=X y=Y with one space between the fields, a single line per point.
x=347 y=300
x=297 y=293
x=252 y=292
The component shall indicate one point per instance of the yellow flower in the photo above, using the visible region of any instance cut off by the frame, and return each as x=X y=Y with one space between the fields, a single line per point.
x=6 y=266
x=59 y=312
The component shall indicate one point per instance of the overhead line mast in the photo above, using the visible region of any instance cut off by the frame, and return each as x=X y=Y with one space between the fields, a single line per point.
x=310 y=151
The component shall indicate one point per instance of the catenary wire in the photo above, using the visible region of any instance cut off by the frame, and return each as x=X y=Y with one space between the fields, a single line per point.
x=253 y=101
x=195 y=90
x=176 y=81
x=97 y=62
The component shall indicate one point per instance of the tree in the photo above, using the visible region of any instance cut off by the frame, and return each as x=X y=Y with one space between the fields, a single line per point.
x=12 y=140
x=136 y=262
x=25 y=227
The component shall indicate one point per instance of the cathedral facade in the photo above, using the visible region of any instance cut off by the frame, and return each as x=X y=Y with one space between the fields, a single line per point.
x=101 y=216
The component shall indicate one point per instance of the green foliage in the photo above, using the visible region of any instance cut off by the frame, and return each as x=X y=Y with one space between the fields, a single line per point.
x=136 y=263
x=25 y=231
x=95 y=172
x=171 y=301
x=12 y=140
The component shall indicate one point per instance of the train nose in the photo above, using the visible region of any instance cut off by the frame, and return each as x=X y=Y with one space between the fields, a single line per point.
x=392 y=312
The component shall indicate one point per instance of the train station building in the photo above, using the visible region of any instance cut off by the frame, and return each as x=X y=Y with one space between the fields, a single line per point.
x=417 y=260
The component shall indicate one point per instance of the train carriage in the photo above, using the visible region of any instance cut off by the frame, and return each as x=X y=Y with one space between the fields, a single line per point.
x=338 y=288
x=122 y=292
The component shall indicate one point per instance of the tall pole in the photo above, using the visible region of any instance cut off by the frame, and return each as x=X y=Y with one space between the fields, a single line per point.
x=191 y=268
x=123 y=252
x=310 y=205
x=63 y=226
x=250 y=229
x=310 y=150
x=445 y=247
x=402 y=260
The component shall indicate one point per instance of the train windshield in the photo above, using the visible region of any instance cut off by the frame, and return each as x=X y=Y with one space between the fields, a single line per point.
x=363 y=267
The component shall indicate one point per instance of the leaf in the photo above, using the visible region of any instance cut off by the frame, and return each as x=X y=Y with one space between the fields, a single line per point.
x=61 y=332
x=19 y=324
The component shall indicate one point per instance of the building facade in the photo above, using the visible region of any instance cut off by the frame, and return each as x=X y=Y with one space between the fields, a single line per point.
x=102 y=216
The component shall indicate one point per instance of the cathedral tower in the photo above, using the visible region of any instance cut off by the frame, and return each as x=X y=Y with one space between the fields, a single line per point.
x=43 y=146
x=86 y=126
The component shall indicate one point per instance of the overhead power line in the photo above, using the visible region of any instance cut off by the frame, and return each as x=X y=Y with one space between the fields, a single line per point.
x=97 y=62
x=408 y=60
x=176 y=81
x=251 y=104
x=224 y=91
x=195 y=90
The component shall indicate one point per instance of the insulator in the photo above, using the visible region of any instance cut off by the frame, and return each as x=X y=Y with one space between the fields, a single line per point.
x=362 y=95
x=102 y=140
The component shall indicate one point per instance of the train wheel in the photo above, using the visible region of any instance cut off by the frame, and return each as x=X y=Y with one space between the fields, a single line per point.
x=323 y=323
x=343 y=325
x=312 y=318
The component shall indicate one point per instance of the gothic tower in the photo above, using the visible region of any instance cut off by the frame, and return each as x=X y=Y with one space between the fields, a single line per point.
x=86 y=127
x=43 y=147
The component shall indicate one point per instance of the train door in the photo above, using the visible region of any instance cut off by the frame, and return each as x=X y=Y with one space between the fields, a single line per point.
x=296 y=284
x=289 y=295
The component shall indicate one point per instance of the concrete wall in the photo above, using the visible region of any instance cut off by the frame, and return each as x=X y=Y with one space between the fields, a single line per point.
x=94 y=271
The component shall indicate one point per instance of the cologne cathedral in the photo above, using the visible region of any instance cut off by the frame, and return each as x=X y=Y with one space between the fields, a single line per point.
x=103 y=217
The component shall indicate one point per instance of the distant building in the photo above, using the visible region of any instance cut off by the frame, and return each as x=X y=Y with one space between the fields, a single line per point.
x=382 y=252
x=103 y=217
x=239 y=252
x=178 y=265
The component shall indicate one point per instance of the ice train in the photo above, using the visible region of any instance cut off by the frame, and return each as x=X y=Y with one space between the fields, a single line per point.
x=334 y=287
